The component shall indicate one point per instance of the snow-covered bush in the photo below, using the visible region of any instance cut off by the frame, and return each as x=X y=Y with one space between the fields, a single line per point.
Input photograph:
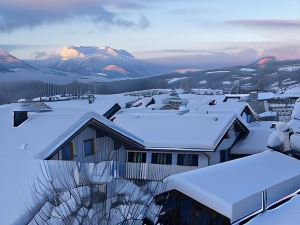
x=286 y=137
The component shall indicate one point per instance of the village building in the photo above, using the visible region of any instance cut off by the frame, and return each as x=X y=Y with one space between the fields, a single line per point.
x=231 y=192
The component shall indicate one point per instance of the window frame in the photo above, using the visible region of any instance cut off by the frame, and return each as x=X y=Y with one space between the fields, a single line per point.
x=166 y=159
x=93 y=147
x=70 y=148
x=189 y=154
x=135 y=152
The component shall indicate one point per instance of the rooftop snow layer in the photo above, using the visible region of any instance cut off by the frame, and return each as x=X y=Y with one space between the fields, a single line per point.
x=43 y=133
x=287 y=213
x=256 y=140
x=235 y=188
x=169 y=130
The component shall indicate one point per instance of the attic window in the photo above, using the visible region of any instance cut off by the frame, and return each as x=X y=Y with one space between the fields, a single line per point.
x=19 y=118
x=212 y=102
x=67 y=152
x=89 y=147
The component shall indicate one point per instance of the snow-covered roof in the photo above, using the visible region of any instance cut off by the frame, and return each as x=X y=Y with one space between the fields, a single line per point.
x=256 y=140
x=268 y=114
x=144 y=102
x=18 y=172
x=42 y=133
x=101 y=104
x=200 y=104
x=234 y=188
x=265 y=95
x=287 y=213
x=169 y=130
x=289 y=93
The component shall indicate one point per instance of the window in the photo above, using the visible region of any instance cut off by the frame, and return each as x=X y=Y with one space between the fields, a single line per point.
x=138 y=157
x=161 y=158
x=88 y=147
x=181 y=209
x=187 y=160
x=67 y=152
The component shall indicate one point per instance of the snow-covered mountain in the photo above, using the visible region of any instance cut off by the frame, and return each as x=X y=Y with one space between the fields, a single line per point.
x=9 y=62
x=103 y=61
x=85 y=52
x=264 y=62
x=13 y=69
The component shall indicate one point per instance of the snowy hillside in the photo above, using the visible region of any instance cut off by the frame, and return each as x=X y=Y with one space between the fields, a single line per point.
x=9 y=62
x=104 y=61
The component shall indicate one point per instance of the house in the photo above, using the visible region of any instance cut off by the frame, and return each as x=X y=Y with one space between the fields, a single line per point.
x=46 y=133
x=197 y=135
x=159 y=140
x=230 y=192
x=146 y=143
x=280 y=103
x=189 y=139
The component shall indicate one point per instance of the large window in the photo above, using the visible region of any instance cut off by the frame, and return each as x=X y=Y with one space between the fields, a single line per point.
x=67 y=152
x=187 y=160
x=88 y=147
x=138 y=157
x=180 y=209
x=161 y=158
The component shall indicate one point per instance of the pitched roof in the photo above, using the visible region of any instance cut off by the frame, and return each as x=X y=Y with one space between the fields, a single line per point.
x=171 y=131
x=235 y=188
x=256 y=140
x=43 y=133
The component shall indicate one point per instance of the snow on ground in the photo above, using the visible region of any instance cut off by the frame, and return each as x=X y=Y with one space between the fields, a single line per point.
x=247 y=70
x=247 y=84
x=289 y=68
x=227 y=82
x=290 y=82
x=187 y=70
x=216 y=72
x=203 y=82
x=174 y=80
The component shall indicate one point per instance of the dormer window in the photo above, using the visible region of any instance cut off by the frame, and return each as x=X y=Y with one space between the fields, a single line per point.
x=19 y=117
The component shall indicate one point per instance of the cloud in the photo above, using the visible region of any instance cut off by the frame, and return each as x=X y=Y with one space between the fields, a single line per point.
x=121 y=5
x=267 y=23
x=213 y=59
x=40 y=55
x=15 y=14
x=186 y=11
x=13 y=47
x=284 y=52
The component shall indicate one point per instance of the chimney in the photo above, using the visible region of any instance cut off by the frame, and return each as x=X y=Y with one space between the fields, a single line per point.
x=212 y=102
x=19 y=117
x=112 y=111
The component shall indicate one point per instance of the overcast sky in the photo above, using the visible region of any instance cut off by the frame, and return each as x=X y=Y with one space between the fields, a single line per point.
x=152 y=28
